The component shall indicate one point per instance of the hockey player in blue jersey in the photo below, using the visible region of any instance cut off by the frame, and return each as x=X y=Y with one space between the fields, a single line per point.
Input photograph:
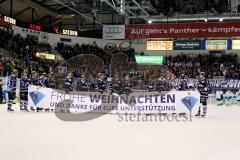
x=182 y=86
x=11 y=88
x=33 y=80
x=68 y=83
x=127 y=85
x=91 y=83
x=83 y=84
x=100 y=85
x=151 y=86
x=110 y=85
x=51 y=81
x=43 y=80
x=24 y=82
x=202 y=87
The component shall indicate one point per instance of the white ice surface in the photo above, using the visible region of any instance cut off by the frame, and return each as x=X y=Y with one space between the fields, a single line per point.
x=42 y=136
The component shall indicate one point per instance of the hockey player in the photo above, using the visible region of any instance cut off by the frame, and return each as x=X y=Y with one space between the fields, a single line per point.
x=110 y=85
x=228 y=98
x=83 y=84
x=182 y=84
x=151 y=86
x=43 y=80
x=238 y=98
x=100 y=85
x=11 y=88
x=24 y=81
x=202 y=87
x=52 y=81
x=127 y=85
x=117 y=85
x=219 y=97
x=33 y=80
x=69 y=82
x=91 y=83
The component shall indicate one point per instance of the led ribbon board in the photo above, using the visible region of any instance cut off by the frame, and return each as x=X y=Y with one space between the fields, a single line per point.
x=149 y=60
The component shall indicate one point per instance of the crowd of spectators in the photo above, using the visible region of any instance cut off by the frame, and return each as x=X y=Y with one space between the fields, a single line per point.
x=115 y=63
x=68 y=51
x=114 y=59
x=18 y=44
x=23 y=54
x=191 y=65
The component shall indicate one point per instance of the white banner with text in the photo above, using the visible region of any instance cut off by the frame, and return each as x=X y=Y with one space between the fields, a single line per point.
x=136 y=102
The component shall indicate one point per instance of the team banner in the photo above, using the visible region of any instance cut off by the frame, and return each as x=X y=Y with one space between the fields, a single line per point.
x=114 y=32
x=224 y=84
x=236 y=44
x=187 y=45
x=137 y=102
x=159 y=45
x=216 y=44
x=213 y=83
x=183 y=30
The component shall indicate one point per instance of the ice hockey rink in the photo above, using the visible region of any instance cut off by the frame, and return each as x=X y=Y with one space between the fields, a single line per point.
x=42 y=136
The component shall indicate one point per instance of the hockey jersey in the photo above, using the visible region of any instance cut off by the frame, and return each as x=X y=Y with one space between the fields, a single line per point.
x=24 y=81
x=203 y=89
x=110 y=86
x=43 y=81
x=52 y=83
x=151 y=87
x=100 y=85
x=68 y=81
x=33 y=81
x=82 y=84
x=182 y=86
x=11 y=83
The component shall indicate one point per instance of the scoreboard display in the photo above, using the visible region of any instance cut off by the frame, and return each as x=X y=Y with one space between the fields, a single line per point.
x=35 y=27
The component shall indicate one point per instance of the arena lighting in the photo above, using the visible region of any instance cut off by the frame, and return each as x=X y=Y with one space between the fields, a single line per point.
x=149 y=21
x=65 y=16
x=83 y=15
x=186 y=18
x=45 y=55
x=121 y=10
x=221 y=19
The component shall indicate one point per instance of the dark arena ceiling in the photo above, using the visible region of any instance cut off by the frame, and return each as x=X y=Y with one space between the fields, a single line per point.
x=92 y=14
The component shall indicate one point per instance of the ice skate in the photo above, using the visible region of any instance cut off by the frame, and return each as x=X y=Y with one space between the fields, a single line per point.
x=26 y=110
x=39 y=109
x=32 y=109
x=198 y=114
x=10 y=109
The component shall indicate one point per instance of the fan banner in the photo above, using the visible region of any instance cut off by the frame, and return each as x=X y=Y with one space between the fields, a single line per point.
x=183 y=30
x=135 y=103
